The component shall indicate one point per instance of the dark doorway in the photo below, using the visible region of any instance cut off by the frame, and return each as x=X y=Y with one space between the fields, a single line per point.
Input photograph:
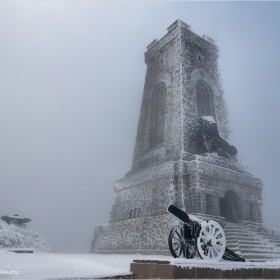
x=225 y=210
x=254 y=212
x=230 y=207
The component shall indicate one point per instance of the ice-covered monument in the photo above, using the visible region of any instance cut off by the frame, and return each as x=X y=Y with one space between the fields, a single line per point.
x=14 y=234
x=182 y=154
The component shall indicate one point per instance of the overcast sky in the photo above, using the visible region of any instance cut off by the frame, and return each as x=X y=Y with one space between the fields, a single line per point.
x=71 y=82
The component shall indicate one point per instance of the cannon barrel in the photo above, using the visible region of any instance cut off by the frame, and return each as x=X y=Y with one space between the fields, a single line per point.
x=183 y=216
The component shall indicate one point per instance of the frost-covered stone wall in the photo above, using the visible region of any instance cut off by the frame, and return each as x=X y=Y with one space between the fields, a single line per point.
x=200 y=64
x=208 y=179
x=178 y=61
x=186 y=183
x=163 y=69
x=149 y=190
x=144 y=235
x=182 y=72
x=12 y=236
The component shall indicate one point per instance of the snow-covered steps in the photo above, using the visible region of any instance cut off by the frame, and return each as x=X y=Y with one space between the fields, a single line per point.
x=251 y=244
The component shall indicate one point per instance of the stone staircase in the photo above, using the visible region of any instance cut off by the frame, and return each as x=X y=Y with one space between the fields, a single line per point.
x=251 y=243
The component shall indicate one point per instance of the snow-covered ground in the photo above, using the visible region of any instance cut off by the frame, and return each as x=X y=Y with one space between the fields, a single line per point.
x=49 y=265
x=42 y=265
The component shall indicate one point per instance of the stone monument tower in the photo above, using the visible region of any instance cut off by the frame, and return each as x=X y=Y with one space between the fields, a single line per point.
x=182 y=154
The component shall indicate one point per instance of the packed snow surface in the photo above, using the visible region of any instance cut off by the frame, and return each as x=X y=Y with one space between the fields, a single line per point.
x=41 y=265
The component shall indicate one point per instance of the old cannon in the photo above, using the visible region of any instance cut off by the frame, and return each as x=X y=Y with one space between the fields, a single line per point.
x=206 y=237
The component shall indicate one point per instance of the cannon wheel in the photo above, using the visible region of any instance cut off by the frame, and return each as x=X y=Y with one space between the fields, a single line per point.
x=210 y=241
x=179 y=246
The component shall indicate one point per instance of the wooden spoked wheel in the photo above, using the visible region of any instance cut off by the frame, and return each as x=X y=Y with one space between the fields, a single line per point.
x=180 y=244
x=210 y=241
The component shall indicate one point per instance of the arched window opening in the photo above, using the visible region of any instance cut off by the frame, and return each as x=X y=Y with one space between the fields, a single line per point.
x=225 y=209
x=158 y=116
x=205 y=103
x=254 y=212
x=230 y=207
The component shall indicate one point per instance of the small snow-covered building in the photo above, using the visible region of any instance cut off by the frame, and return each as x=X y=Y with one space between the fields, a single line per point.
x=182 y=154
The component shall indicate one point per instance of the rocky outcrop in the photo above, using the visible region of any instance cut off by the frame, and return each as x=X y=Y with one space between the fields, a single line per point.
x=12 y=236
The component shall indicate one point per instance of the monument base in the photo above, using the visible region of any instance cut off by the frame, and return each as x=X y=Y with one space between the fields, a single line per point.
x=147 y=236
x=153 y=269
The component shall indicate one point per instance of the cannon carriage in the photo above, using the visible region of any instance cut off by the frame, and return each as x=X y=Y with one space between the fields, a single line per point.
x=206 y=237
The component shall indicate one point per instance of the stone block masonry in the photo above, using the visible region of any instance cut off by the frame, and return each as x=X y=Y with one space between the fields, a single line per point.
x=143 y=269
x=182 y=85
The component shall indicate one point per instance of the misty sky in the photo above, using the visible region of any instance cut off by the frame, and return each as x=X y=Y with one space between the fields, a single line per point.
x=71 y=80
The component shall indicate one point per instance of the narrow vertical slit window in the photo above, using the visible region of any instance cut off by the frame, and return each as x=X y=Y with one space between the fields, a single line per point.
x=158 y=116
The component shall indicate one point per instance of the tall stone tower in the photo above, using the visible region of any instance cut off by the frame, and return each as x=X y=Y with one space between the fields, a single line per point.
x=182 y=154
